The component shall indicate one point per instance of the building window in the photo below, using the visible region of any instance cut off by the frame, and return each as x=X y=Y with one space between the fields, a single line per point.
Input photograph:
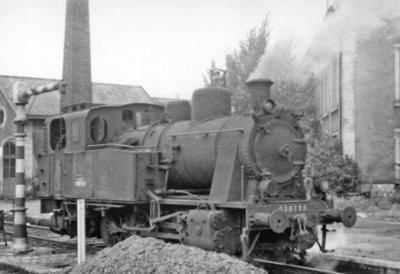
x=9 y=160
x=2 y=116
x=334 y=73
x=330 y=85
x=127 y=115
x=396 y=51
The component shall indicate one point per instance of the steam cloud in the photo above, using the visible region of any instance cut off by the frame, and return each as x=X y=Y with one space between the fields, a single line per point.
x=345 y=22
x=335 y=240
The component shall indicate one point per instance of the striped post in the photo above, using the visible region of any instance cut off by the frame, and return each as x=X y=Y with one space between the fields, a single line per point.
x=20 y=239
x=21 y=92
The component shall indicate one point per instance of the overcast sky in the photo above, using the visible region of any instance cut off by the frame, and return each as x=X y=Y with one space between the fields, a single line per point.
x=163 y=45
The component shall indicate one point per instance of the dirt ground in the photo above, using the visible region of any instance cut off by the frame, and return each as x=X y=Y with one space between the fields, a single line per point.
x=369 y=238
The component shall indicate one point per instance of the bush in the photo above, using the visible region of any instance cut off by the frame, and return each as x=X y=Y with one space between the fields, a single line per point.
x=325 y=160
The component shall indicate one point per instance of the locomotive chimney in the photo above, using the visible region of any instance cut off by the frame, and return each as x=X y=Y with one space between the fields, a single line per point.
x=259 y=91
x=76 y=70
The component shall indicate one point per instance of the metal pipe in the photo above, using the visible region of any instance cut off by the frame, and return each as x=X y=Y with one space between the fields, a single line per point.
x=242 y=182
x=21 y=91
x=49 y=87
x=21 y=94
x=207 y=132
x=397 y=154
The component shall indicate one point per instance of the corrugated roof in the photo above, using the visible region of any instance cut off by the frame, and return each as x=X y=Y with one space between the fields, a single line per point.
x=49 y=103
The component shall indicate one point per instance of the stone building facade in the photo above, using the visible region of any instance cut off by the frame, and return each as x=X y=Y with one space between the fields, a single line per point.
x=358 y=101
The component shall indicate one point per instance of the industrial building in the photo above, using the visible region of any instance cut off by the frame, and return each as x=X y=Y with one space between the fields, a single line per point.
x=358 y=98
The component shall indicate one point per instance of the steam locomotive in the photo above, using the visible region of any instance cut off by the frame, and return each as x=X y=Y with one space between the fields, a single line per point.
x=194 y=174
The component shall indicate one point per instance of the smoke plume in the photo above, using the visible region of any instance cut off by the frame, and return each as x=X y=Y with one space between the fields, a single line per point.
x=336 y=240
x=345 y=22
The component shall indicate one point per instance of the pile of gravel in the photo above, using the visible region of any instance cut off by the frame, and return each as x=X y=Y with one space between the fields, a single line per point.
x=148 y=255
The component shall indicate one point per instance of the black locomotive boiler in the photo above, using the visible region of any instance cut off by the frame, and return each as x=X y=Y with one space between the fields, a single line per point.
x=191 y=174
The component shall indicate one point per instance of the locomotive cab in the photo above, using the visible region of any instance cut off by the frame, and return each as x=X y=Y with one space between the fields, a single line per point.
x=73 y=153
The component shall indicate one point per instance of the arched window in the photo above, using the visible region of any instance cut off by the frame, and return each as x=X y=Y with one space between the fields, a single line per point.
x=2 y=116
x=9 y=160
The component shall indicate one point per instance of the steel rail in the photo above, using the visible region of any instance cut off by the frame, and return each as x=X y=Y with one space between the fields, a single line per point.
x=52 y=239
x=30 y=226
x=276 y=267
x=356 y=264
x=61 y=243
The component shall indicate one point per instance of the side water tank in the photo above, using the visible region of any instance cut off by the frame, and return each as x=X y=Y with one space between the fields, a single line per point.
x=210 y=102
x=179 y=110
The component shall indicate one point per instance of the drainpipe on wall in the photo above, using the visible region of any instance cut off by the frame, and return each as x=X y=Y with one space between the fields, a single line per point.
x=397 y=154
x=340 y=99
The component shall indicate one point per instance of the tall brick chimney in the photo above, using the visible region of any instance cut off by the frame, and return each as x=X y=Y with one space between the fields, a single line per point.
x=76 y=69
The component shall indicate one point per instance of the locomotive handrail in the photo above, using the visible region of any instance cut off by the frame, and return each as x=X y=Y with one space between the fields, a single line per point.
x=113 y=145
x=207 y=132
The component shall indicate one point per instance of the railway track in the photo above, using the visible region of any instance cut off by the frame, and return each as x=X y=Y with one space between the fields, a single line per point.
x=359 y=265
x=336 y=263
x=282 y=268
x=44 y=234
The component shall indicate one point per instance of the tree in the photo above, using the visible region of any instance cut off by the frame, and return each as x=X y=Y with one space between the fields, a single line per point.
x=296 y=95
x=240 y=63
x=243 y=61
x=293 y=88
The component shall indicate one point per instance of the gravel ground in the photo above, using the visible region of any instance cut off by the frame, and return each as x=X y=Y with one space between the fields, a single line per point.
x=148 y=255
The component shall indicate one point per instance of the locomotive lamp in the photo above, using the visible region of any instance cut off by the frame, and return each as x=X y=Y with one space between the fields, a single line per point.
x=269 y=106
x=267 y=187
x=321 y=186
x=21 y=94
